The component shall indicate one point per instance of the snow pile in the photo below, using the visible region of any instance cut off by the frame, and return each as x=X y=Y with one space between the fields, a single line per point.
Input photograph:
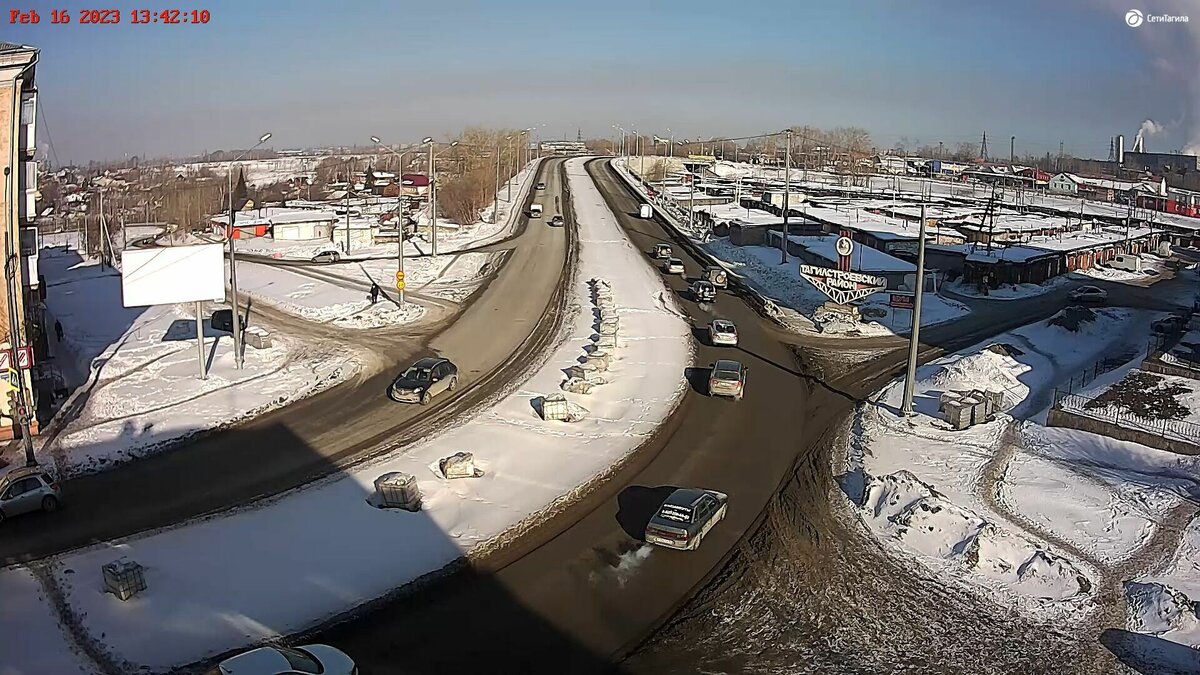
x=914 y=514
x=1006 y=291
x=988 y=370
x=312 y=553
x=1160 y=610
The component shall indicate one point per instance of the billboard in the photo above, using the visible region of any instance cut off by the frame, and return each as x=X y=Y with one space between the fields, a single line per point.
x=164 y=275
x=901 y=300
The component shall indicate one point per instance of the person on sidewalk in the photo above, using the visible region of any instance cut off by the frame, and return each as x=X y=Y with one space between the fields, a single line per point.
x=374 y=293
x=58 y=330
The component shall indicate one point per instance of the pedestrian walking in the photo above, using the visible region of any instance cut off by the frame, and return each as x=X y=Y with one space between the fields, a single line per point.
x=58 y=330
x=374 y=293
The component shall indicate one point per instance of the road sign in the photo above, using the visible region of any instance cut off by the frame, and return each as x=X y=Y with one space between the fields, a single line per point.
x=844 y=246
x=399 y=277
x=25 y=357
x=399 y=285
x=901 y=300
x=842 y=287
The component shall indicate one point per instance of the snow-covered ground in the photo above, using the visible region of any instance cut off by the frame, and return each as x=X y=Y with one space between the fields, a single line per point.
x=320 y=300
x=1164 y=603
x=1009 y=291
x=291 y=562
x=141 y=365
x=31 y=639
x=1018 y=510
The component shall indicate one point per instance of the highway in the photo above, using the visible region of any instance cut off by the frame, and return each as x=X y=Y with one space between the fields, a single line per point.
x=582 y=592
x=316 y=436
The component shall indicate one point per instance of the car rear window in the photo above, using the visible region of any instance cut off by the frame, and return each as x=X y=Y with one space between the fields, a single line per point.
x=675 y=513
x=726 y=374
x=301 y=661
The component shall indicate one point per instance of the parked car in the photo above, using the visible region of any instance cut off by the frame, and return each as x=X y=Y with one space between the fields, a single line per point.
x=327 y=257
x=541 y=185
x=425 y=379
x=1089 y=294
x=662 y=251
x=722 y=332
x=727 y=378
x=222 y=319
x=703 y=291
x=557 y=221
x=26 y=490
x=1169 y=324
x=673 y=266
x=314 y=659
x=685 y=517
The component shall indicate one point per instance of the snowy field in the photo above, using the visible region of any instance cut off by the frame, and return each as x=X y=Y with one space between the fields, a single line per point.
x=798 y=300
x=1023 y=512
x=141 y=365
x=312 y=553
x=1164 y=603
x=31 y=639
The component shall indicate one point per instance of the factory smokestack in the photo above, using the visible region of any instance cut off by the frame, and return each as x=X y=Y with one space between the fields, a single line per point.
x=1121 y=149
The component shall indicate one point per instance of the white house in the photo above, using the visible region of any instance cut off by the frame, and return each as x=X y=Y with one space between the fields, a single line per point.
x=1063 y=184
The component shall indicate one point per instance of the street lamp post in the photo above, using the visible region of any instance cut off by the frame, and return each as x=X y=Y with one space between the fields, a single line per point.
x=399 y=218
x=787 y=193
x=433 y=189
x=237 y=313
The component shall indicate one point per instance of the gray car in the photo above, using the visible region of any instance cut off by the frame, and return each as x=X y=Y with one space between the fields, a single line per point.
x=685 y=517
x=327 y=257
x=26 y=490
x=728 y=378
x=425 y=379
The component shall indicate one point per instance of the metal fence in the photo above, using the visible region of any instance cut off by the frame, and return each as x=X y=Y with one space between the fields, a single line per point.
x=1074 y=403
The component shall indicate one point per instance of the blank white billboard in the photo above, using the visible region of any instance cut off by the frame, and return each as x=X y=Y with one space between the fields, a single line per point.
x=164 y=275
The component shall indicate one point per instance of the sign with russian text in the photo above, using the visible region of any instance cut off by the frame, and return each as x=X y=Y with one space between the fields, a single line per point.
x=841 y=286
x=901 y=300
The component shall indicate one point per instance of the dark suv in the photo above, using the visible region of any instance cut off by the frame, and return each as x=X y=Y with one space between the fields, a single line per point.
x=425 y=379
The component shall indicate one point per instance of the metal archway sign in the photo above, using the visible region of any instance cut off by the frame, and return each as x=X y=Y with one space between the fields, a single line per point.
x=842 y=287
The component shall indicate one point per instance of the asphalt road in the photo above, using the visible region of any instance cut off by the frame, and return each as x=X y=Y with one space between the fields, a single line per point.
x=318 y=435
x=581 y=592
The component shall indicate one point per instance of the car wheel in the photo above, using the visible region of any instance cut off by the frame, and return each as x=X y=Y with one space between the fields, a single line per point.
x=335 y=258
x=426 y=397
x=453 y=384
x=49 y=503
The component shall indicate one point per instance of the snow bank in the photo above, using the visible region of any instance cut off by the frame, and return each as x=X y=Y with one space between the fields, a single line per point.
x=287 y=564
x=31 y=640
x=1163 y=611
x=911 y=512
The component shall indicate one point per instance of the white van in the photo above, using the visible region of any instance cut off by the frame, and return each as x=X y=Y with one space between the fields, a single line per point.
x=535 y=211
x=1127 y=262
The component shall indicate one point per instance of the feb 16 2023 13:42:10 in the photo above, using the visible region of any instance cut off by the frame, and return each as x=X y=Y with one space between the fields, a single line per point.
x=102 y=17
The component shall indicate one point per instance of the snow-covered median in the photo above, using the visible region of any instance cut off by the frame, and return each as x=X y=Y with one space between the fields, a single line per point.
x=143 y=389
x=1023 y=512
x=289 y=563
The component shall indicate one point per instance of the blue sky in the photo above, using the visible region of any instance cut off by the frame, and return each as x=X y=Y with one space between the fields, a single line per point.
x=315 y=73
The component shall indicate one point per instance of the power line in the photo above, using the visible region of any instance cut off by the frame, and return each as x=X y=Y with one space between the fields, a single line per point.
x=42 y=113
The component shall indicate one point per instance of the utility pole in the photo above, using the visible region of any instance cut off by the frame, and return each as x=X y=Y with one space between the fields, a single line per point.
x=787 y=193
x=496 y=202
x=432 y=198
x=1012 y=152
x=11 y=269
x=983 y=153
x=351 y=184
x=914 y=335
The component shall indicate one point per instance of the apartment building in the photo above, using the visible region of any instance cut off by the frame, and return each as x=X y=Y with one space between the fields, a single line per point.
x=18 y=121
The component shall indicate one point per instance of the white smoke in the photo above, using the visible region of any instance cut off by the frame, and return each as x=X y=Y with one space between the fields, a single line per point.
x=1175 y=49
x=1149 y=128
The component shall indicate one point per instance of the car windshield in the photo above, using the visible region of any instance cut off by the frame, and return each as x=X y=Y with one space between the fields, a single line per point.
x=675 y=513
x=300 y=661
x=417 y=374
x=723 y=327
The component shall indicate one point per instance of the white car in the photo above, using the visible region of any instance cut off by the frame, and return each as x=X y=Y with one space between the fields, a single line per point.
x=722 y=332
x=673 y=266
x=1089 y=294
x=685 y=517
x=314 y=659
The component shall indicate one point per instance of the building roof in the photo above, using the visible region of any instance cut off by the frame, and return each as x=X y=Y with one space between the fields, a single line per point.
x=1040 y=247
x=863 y=259
x=415 y=179
x=277 y=216
x=13 y=47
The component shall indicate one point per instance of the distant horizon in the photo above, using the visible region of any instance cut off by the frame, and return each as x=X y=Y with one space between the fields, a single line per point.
x=320 y=76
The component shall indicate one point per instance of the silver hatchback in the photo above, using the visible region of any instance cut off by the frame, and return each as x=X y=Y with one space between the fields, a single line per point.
x=26 y=490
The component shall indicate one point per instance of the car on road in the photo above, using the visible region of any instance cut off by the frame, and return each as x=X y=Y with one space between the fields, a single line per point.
x=26 y=490
x=662 y=251
x=703 y=291
x=673 y=266
x=327 y=257
x=685 y=517
x=557 y=221
x=535 y=210
x=314 y=659
x=1169 y=324
x=716 y=276
x=722 y=332
x=541 y=185
x=1089 y=294
x=425 y=379
x=727 y=378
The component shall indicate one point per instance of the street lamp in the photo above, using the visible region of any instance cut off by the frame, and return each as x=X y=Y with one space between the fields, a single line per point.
x=433 y=189
x=237 y=317
x=399 y=219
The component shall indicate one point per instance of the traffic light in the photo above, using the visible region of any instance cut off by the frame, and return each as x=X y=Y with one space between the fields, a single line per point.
x=14 y=404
